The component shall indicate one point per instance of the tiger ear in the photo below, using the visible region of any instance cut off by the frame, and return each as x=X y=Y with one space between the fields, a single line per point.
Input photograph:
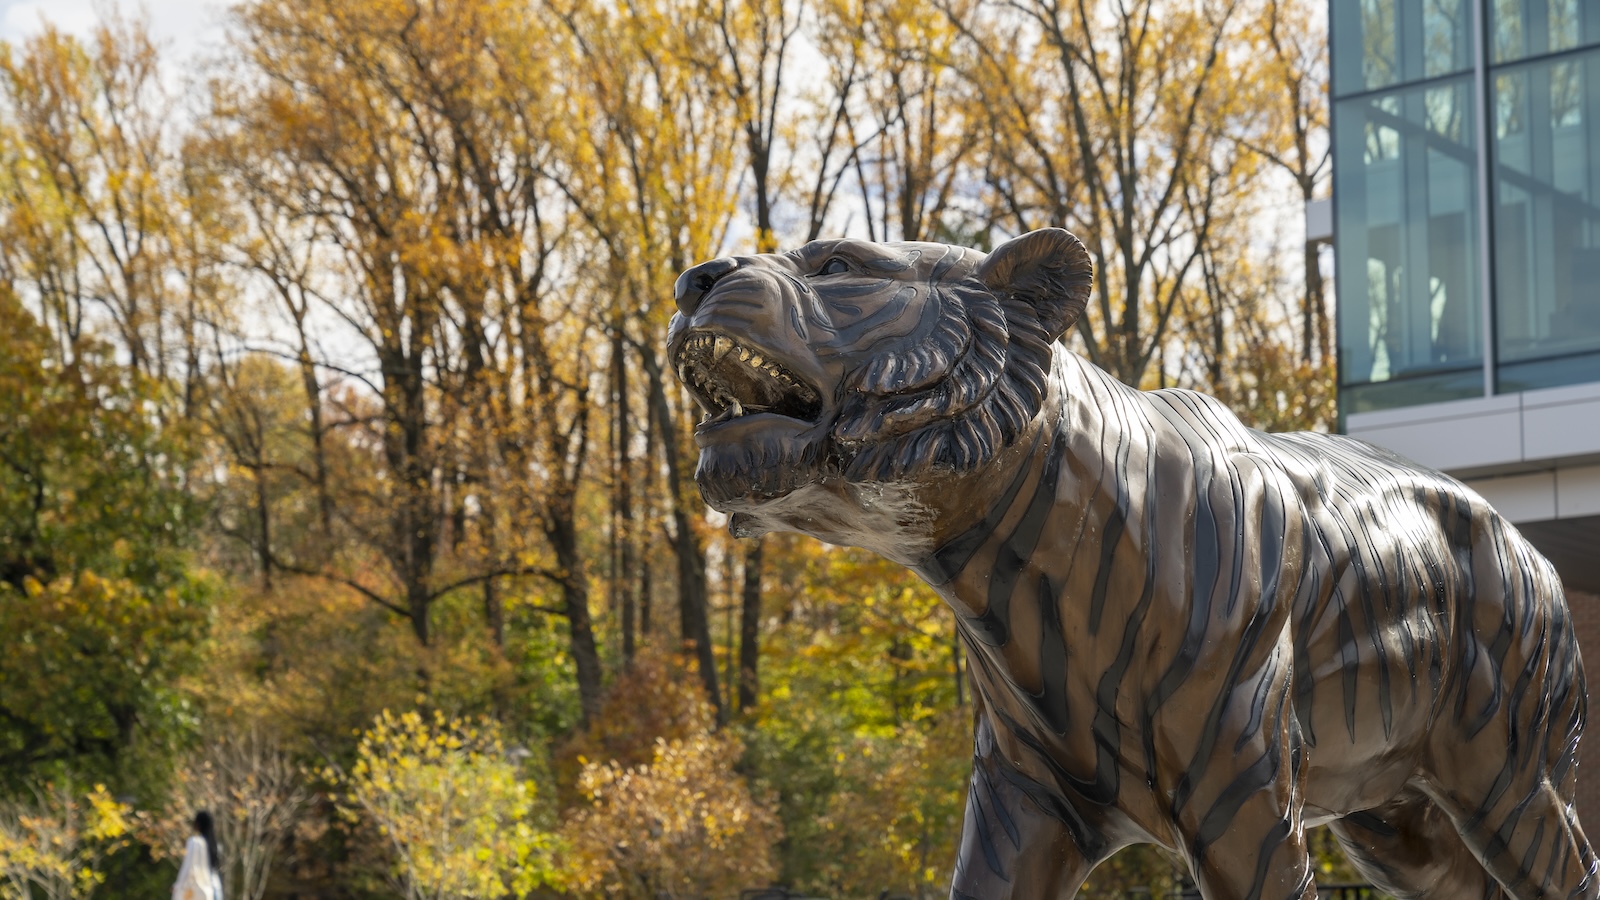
x=1047 y=270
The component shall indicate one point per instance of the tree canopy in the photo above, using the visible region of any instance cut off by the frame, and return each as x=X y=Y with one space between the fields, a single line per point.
x=341 y=467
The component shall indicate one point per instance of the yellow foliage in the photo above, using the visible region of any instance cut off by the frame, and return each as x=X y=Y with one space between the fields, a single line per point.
x=895 y=821
x=684 y=824
x=447 y=798
x=55 y=844
x=626 y=730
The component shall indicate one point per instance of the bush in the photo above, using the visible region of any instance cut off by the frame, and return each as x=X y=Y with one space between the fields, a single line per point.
x=683 y=825
x=56 y=843
x=451 y=806
x=254 y=794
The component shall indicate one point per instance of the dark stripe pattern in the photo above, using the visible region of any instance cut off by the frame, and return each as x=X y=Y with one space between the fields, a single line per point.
x=1188 y=632
x=1180 y=630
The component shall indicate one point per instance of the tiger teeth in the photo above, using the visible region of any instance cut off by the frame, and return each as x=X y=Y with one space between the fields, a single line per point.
x=703 y=353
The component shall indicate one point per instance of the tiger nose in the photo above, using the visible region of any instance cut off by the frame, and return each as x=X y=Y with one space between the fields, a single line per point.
x=693 y=284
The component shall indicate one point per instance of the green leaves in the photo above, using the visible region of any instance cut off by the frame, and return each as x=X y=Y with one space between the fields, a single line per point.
x=100 y=613
x=90 y=671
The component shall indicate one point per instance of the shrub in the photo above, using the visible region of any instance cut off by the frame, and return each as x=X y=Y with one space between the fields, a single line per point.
x=451 y=805
x=683 y=825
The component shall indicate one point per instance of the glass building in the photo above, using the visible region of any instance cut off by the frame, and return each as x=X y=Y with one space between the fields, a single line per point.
x=1466 y=197
x=1466 y=227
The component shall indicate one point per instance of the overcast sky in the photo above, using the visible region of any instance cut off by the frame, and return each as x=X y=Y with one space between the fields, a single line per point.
x=184 y=27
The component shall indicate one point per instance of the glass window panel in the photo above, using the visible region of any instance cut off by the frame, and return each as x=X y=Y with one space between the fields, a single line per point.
x=1547 y=219
x=1406 y=206
x=1417 y=391
x=1564 y=26
x=1508 y=40
x=1544 y=373
x=1364 y=43
x=1523 y=28
x=1378 y=43
x=1446 y=38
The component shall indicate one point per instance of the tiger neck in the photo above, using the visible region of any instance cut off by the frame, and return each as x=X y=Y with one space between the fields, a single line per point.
x=979 y=560
x=1021 y=481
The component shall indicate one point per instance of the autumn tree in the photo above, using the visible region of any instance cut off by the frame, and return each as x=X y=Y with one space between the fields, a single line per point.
x=100 y=611
x=650 y=171
x=255 y=794
x=105 y=229
x=384 y=323
x=1109 y=119
x=54 y=846
x=1291 y=38
x=896 y=819
x=409 y=143
x=861 y=710
x=909 y=119
x=683 y=824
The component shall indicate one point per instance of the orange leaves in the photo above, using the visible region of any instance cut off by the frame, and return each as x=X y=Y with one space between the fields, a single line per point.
x=255 y=795
x=683 y=824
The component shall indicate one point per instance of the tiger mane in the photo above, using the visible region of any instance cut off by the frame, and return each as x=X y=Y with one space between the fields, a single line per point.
x=952 y=401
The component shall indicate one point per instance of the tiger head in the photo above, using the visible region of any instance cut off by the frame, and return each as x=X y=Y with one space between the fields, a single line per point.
x=843 y=380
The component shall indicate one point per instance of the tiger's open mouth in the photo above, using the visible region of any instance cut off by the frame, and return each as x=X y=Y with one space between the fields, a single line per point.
x=730 y=380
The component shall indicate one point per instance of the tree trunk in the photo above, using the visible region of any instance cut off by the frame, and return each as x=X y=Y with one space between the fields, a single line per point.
x=417 y=600
x=563 y=535
x=645 y=587
x=694 y=626
x=1315 y=327
x=494 y=612
x=955 y=663
x=625 y=582
x=749 y=627
x=264 y=517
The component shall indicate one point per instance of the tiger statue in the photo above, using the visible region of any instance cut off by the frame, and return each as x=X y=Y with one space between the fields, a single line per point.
x=1181 y=631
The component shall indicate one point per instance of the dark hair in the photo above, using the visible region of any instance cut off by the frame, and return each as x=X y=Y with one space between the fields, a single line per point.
x=206 y=828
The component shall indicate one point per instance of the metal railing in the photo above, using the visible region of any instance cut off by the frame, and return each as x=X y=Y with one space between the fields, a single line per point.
x=786 y=894
x=1324 y=892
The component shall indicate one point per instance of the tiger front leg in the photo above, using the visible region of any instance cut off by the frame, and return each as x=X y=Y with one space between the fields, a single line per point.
x=1238 y=804
x=1016 y=843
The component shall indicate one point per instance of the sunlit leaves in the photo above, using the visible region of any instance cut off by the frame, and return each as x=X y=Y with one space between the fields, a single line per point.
x=53 y=846
x=447 y=798
x=897 y=814
x=683 y=824
x=404 y=272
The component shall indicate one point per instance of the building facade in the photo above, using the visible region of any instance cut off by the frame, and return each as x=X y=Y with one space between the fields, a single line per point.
x=1466 y=220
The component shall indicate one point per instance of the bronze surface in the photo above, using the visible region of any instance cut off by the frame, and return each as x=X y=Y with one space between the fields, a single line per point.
x=1181 y=630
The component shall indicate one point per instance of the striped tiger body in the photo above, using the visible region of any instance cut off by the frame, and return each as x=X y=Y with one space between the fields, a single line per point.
x=1180 y=630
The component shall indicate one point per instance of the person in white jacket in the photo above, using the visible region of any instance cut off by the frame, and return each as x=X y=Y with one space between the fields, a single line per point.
x=200 y=877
